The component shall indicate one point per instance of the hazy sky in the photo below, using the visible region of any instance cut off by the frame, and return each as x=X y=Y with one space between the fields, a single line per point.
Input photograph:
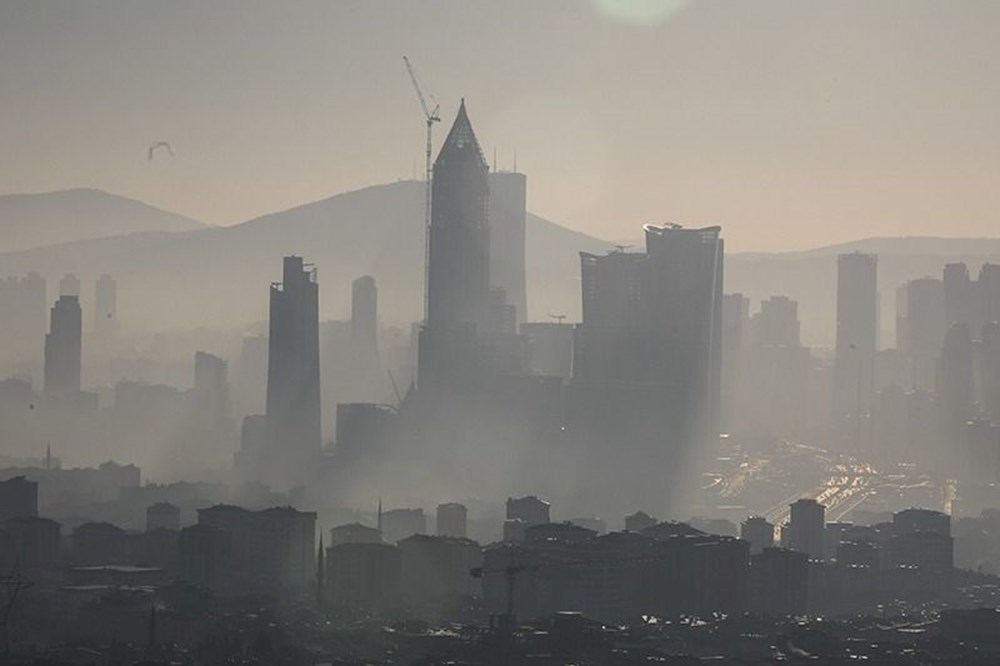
x=791 y=123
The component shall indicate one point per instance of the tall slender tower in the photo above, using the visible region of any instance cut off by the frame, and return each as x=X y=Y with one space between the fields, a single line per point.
x=293 y=399
x=857 y=341
x=106 y=305
x=64 y=347
x=458 y=276
x=508 y=214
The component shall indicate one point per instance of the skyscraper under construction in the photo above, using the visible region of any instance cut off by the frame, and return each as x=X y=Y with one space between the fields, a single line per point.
x=458 y=279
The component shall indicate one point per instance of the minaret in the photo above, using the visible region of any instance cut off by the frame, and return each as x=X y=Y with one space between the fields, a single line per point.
x=320 y=574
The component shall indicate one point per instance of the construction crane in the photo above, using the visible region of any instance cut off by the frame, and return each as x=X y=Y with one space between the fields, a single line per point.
x=560 y=318
x=430 y=117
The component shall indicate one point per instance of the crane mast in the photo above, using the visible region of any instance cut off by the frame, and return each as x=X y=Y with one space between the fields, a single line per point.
x=430 y=117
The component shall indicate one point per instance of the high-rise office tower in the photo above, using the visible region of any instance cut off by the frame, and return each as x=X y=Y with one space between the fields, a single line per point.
x=507 y=216
x=69 y=285
x=925 y=329
x=23 y=324
x=64 y=347
x=364 y=316
x=646 y=361
x=857 y=340
x=954 y=378
x=293 y=394
x=655 y=317
x=989 y=368
x=106 y=305
x=458 y=281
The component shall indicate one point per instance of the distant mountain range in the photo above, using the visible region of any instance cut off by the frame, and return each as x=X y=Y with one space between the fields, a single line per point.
x=218 y=276
x=177 y=273
x=35 y=220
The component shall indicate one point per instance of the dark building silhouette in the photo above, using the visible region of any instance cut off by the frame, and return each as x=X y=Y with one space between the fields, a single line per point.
x=163 y=516
x=857 y=342
x=639 y=521
x=758 y=532
x=452 y=520
x=507 y=217
x=64 y=347
x=458 y=281
x=805 y=527
x=362 y=577
x=106 y=305
x=779 y=582
x=293 y=419
x=18 y=498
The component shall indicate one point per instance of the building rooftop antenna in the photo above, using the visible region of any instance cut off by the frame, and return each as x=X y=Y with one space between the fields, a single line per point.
x=430 y=117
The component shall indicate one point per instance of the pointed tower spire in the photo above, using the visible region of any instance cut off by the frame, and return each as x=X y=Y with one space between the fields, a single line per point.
x=461 y=142
x=380 y=514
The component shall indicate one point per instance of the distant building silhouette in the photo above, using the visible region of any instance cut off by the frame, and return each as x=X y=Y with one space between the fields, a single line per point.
x=647 y=361
x=106 y=305
x=550 y=348
x=778 y=322
x=926 y=325
x=64 y=347
x=805 y=527
x=758 y=533
x=857 y=342
x=452 y=520
x=69 y=285
x=639 y=521
x=18 y=498
x=364 y=317
x=507 y=217
x=22 y=327
x=163 y=516
x=398 y=524
x=293 y=389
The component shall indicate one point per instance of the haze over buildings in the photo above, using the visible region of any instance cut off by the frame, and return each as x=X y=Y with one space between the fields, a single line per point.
x=489 y=438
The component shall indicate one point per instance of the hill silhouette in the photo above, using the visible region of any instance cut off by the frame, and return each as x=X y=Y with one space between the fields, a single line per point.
x=35 y=220
x=218 y=276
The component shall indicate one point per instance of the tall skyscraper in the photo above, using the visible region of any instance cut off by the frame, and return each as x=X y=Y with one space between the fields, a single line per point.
x=458 y=281
x=646 y=369
x=293 y=394
x=857 y=341
x=64 y=347
x=954 y=380
x=507 y=216
x=925 y=329
x=69 y=285
x=364 y=315
x=106 y=305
